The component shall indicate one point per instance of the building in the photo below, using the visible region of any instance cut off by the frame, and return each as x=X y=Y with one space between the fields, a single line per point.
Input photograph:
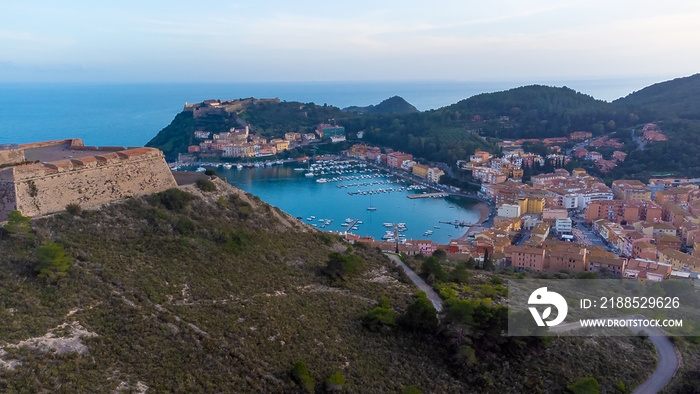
x=631 y=190
x=337 y=138
x=647 y=270
x=629 y=211
x=676 y=195
x=509 y=210
x=326 y=130
x=420 y=170
x=434 y=174
x=395 y=159
x=563 y=226
x=679 y=260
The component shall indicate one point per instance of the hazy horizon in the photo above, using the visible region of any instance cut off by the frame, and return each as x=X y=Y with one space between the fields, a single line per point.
x=275 y=41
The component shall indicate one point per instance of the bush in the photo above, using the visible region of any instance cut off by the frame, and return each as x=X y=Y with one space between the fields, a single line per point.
x=53 y=263
x=379 y=317
x=421 y=314
x=300 y=374
x=584 y=386
x=73 y=209
x=174 y=199
x=211 y=172
x=205 y=185
x=340 y=267
x=18 y=226
x=335 y=382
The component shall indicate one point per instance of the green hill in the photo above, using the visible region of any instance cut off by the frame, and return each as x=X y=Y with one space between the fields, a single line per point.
x=185 y=291
x=678 y=98
x=391 y=105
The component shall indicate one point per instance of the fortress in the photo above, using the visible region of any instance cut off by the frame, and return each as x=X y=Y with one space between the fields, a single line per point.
x=44 y=177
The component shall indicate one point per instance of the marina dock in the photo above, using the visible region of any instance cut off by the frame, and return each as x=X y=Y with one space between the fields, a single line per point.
x=350 y=226
x=427 y=195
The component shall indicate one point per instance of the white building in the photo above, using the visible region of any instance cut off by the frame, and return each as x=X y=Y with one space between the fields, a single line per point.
x=563 y=226
x=509 y=211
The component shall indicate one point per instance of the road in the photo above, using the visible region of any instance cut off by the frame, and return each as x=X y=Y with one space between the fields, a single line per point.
x=668 y=359
x=432 y=295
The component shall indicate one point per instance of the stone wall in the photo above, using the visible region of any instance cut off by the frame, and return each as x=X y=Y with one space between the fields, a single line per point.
x=87 y=181
x=10 y=156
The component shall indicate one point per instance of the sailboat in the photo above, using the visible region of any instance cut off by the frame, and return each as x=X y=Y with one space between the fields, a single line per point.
x=371 y=208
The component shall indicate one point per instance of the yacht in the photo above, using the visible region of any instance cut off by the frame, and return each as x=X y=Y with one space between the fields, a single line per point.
x=239 y=166
x=228 y=166
x=200 y=169
x=388 y=224
x=309 y=174
x=321 y=180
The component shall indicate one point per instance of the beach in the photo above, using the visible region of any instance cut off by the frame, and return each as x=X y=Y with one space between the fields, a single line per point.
x=484 y=211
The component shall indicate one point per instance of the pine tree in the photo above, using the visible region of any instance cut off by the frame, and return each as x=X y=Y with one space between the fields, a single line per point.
x=53 y=263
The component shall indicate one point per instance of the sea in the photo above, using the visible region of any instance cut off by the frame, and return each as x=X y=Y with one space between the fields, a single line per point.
x=132 y=114
x=315 y=203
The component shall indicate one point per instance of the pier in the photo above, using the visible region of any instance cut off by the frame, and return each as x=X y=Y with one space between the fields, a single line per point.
x=458 y=223
x=428 y=195
x=350 y=226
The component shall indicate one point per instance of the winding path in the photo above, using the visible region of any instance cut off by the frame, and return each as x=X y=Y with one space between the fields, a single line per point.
x=668 y=359
x=429 y=292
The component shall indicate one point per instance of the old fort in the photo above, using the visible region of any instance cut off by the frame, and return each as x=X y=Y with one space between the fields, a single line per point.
x=44 y=177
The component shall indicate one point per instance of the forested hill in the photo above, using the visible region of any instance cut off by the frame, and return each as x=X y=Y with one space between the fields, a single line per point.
x=678 y=98
x=391 y=105
x=538 y=111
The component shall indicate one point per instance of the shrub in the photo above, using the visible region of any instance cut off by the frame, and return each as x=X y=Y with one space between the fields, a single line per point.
x=211 y=172
x=18 y=225
x=584 y=386
x=53 y=263
x=379 y=317
x=74 y=209
x=335 y=382
x=300 y=374
x=340 y=267
x=421 y=314
x=205 y=185
x=174 y=199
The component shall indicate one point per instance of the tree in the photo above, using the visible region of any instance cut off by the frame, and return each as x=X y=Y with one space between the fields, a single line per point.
x=340 y=267
x=421 y=314
x=300 y=374
x=53 y=263
x=335 y=382
x=380 y=317
x=18 y=226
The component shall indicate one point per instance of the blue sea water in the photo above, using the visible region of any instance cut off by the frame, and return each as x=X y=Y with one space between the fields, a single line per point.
x=131 y=114
x=303 y=197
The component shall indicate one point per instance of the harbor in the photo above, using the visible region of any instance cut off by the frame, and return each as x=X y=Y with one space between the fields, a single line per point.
x=374 y=200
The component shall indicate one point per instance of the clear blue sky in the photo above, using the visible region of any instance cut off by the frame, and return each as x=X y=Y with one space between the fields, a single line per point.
x=178 y=41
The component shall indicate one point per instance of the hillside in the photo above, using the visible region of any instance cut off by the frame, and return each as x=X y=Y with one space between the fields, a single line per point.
x=677 y=98
x=391 y=105
x=190 y=291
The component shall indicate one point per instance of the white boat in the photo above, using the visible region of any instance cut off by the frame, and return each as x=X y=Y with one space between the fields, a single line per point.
x=436 y=226
x=228 y=166
x=239 y=166
x=388 y=224
x=321 y=180
x=309 y=219
x=309 y=174
x=371 y=208
x=355 y=228
x=321 y=220
x=200 y=169
x=359 y=222
x=313 y=217
x=300 y=169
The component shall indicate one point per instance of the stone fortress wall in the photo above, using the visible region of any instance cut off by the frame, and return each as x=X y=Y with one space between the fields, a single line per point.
x=87 y=176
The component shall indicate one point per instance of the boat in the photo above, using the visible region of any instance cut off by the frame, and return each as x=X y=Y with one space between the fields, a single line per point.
x=300 y=169
x=228 y=166
x=312 y=217
x=309 y=219
x=436 y=226
x=200 y=169
x=239 y=166
x=388 y=224
x=355 y=228
x=321 y=180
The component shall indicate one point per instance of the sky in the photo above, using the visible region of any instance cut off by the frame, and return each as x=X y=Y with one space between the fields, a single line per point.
x=360 y=40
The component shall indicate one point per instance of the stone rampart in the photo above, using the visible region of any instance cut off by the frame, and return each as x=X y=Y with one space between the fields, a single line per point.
x=42 y=188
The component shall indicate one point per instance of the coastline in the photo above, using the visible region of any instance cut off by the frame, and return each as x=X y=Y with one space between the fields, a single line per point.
x=484 y=211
